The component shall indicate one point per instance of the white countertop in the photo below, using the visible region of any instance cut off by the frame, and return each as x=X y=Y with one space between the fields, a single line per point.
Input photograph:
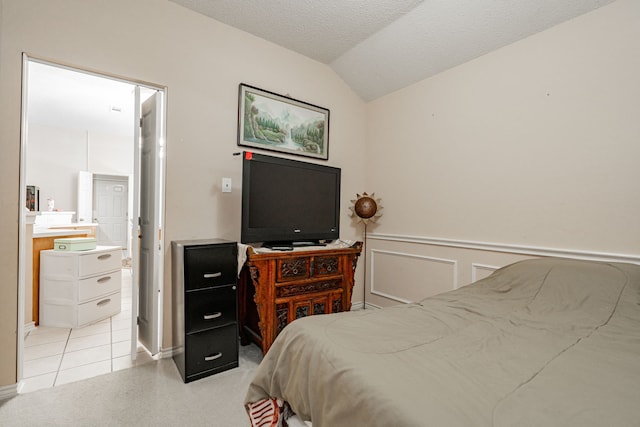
x=75 y=224
x=57 y=232
x=44 y=213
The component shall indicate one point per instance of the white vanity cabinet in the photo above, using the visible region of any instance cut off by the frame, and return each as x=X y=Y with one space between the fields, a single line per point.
x=78 y=288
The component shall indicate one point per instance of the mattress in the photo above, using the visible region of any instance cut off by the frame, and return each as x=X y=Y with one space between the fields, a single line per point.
x=543 y=342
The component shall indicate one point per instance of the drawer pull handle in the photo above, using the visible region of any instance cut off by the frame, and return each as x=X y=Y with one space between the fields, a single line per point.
x=104 y=279
x=212 y=275
x=104 y=302
x=104 y=256
x=212 y=316
x=213 y=357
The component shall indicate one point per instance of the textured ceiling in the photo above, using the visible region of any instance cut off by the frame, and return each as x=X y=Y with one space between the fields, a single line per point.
x=319 y=29
x=379 y=46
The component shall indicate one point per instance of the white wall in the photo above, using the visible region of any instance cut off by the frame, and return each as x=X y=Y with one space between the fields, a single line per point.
x=55 y=155
x=110 y=154
x=535 y=144
x=201 y=62
x=54 y=158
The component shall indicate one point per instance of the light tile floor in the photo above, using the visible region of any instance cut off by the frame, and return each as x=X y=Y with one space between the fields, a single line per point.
x=55 y=356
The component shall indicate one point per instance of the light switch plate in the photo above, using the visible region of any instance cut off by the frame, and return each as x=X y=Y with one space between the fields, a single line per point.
x=226 y=185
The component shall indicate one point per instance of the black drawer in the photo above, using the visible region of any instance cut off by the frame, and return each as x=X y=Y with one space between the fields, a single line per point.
x=210 y=265
x=210 y=308
x=212 y=349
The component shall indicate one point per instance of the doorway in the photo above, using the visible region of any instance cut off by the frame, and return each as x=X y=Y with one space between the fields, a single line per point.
x=78 y=123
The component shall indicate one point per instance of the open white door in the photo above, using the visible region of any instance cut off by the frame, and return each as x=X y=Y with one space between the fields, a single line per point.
x=148 y=249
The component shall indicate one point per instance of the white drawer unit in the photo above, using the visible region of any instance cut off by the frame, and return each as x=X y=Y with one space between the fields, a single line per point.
x=78 y=288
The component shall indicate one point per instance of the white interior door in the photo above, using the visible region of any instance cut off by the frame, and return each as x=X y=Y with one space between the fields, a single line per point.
x=150 y=249
x=111 y=201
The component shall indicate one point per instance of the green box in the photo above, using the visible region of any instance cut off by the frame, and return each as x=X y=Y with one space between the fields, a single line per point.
x=74 y=244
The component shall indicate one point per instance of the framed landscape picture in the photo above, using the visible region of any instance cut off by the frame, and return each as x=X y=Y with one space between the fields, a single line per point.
x=276 y=122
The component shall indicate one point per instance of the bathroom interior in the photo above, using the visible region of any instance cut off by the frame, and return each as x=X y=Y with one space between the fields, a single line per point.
x=79 y=166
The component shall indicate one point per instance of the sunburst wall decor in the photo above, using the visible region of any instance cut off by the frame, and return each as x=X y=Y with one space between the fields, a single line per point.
x=366 y=208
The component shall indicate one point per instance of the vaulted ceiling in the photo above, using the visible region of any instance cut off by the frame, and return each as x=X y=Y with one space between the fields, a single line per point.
x=376 y=46
x=379 y=46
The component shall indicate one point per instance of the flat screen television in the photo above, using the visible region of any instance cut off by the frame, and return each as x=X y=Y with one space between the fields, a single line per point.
x=288 y=202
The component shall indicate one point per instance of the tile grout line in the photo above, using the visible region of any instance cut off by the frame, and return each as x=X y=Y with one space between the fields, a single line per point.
x=64 y=350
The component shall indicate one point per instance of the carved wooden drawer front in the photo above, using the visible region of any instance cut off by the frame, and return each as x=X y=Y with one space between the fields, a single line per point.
x=323 y=266
x=311 y=307
x=321 y=304
x=282 y=316
x=327 y=301
x=307 y=288
x=293 y=269
x=337 y=305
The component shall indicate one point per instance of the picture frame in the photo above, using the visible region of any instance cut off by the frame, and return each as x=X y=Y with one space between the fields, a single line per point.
x=275 y=122
x=33 y=198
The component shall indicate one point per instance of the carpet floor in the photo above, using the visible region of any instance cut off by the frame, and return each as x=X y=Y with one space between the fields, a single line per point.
x=149 y=395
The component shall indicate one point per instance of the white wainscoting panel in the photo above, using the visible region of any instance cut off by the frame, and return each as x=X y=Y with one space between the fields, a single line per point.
x=480 y=271
x=510 y=248
x=409 y=268
x=406 y=277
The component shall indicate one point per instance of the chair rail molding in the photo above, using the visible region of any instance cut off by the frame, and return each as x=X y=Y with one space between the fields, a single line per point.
x=510 y=248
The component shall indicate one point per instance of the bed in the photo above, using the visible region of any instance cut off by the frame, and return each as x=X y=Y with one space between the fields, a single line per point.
x=542 y=342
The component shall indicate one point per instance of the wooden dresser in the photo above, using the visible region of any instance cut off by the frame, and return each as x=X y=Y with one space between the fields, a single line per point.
x=277 y=288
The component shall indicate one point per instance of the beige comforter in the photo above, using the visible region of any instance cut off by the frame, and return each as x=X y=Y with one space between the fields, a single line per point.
x=542 y=342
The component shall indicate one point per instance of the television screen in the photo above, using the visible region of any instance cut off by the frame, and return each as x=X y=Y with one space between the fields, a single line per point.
x=288 y=202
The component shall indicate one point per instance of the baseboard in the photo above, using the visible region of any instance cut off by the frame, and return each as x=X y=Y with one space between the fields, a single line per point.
x=8 y=391
x=166 y=353
x=28 y=327
x=363 y=306
x=357 y=306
